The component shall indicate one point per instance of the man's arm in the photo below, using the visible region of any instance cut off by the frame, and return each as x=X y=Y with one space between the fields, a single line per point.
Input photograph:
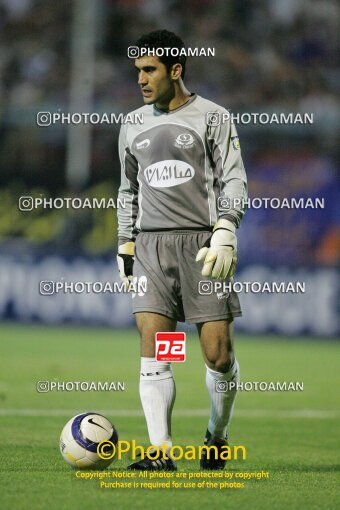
x=128 y=191
x=219 y=254
x=226 y=156
x=128 y=194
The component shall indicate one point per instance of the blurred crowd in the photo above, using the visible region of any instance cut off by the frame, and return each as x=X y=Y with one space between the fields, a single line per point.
x=271 y=55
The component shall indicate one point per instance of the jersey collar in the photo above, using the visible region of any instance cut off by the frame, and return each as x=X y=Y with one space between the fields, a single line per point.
x=162 y=112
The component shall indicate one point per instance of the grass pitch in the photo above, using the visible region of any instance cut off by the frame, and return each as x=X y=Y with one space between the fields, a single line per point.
x=292 y=435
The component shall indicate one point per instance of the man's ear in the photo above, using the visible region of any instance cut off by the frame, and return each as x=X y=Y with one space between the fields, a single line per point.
x=176 y=71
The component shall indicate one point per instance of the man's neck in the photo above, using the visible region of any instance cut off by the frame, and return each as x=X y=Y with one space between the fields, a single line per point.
x=181 y=97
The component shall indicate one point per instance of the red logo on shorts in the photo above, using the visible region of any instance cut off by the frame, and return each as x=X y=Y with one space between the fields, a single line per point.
x=170 y=346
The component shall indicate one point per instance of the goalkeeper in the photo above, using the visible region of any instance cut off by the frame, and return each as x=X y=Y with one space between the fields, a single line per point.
x=181 y=171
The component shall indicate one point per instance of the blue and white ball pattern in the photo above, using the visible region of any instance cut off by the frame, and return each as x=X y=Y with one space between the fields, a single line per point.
x=80 y=437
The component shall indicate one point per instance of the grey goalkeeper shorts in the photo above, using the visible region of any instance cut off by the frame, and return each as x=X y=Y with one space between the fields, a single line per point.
x=175 y=286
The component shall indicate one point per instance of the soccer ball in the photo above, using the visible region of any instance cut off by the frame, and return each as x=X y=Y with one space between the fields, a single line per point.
x=80 y=437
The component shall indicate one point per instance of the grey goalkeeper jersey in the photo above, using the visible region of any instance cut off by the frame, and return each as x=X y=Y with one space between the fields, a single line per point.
x=180 y=170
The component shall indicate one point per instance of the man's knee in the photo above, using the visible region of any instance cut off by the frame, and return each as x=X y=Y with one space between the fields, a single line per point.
x=148 y=325
x=217 y=345
x=220 y=362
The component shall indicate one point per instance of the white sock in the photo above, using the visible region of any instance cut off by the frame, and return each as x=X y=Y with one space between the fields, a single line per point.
x=222 y=402
x=157 y=393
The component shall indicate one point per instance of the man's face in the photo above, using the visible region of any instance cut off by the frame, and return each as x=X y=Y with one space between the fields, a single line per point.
x=154 y=81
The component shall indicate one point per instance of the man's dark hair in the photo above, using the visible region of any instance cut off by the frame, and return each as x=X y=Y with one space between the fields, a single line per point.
x=164 y=39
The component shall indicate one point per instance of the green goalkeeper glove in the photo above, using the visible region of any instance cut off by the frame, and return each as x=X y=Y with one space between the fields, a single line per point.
x=219 y=252
x=125 y=260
